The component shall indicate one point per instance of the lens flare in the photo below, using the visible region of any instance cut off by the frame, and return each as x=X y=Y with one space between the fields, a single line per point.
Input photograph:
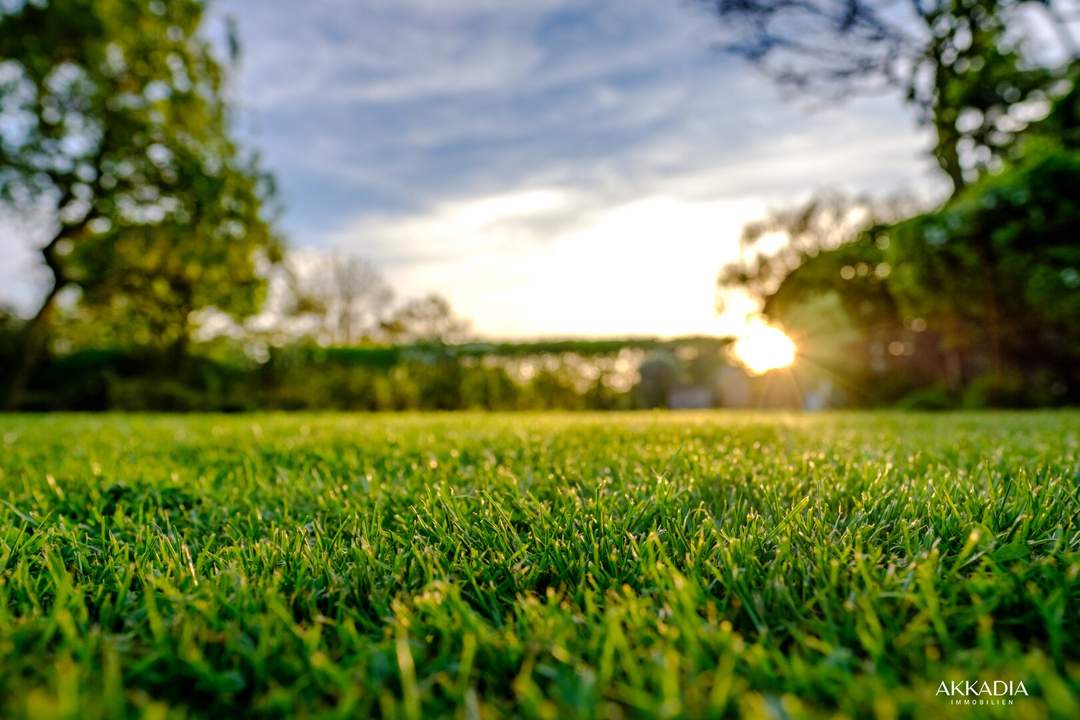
x=762 y=347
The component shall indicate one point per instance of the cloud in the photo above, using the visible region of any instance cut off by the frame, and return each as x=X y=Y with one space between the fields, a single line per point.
x=503 y=223
x=548 y=262
x=466 y=144
x=629 y=245
x=386 y=52
x=388 y=106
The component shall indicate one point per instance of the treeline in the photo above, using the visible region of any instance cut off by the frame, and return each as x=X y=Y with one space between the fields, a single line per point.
x=220 y=376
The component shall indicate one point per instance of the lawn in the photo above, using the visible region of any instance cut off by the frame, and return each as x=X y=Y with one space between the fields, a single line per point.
x=555 y=566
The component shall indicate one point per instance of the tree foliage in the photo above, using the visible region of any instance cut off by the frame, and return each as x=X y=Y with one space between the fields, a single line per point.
x=998 y=269
x=116 y=123
x=429 y=318
x=982 y=293
x=772 y=248
x=971 y=68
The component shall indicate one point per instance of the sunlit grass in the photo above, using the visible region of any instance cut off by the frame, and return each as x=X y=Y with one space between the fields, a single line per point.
x=537 y=565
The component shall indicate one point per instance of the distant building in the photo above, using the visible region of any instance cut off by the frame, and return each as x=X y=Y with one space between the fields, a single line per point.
x=658 y=376
x=735 y=388
x=820 y=397
x=690 y=397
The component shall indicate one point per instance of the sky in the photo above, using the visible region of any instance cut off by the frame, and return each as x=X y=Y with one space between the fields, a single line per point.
x=551 y=167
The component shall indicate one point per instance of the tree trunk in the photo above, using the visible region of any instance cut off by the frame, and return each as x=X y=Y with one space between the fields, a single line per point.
x=33 y=342
x=993 y=319
x=35 y=333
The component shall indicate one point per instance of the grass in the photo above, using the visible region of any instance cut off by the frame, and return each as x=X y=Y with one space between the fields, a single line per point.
x=551 y=566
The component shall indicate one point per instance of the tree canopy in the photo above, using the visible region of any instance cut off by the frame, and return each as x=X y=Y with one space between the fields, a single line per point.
x=116 y=125
x=982 y=292
x=978 y=72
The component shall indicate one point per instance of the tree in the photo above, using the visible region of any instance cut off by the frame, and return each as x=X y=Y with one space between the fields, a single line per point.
x=428 y=319
x=786 y=239
x=967 y=66
x=114 y=117
x=979 y=286
x=337 y=298
x=983 y=292
x=997 y=271
x=771 y=248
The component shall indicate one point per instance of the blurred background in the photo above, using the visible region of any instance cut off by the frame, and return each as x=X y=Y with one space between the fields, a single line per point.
x=578 y=204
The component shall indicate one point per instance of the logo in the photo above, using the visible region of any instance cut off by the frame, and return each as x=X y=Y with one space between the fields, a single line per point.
x=982 y=692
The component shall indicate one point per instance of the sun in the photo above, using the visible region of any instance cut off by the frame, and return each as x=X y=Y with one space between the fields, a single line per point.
x=762 y=347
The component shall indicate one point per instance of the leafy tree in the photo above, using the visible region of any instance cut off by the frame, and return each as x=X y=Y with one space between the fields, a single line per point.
x=983 y=292
x=997 y=271
x=838 y=307
x=1061 y=127
x=428 y=318
x=968 y=66
x=114 y=118
x=981 y=286
x=775 y=246
x=336 y=298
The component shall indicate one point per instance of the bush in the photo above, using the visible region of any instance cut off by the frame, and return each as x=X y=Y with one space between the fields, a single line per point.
x=936 y=397
x=994 y=390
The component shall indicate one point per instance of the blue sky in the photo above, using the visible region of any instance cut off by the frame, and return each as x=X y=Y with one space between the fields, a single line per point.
x=553 y=167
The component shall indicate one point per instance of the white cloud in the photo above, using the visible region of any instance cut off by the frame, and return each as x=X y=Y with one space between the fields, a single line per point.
x=379 y=51
x=615 y=253
x=556 y=262
x=477 y=147
x=648 y=266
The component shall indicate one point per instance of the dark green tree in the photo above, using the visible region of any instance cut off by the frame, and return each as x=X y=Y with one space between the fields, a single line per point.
x=116 y=124
x=979 y=287
x=997 y=271
x=983 y=292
